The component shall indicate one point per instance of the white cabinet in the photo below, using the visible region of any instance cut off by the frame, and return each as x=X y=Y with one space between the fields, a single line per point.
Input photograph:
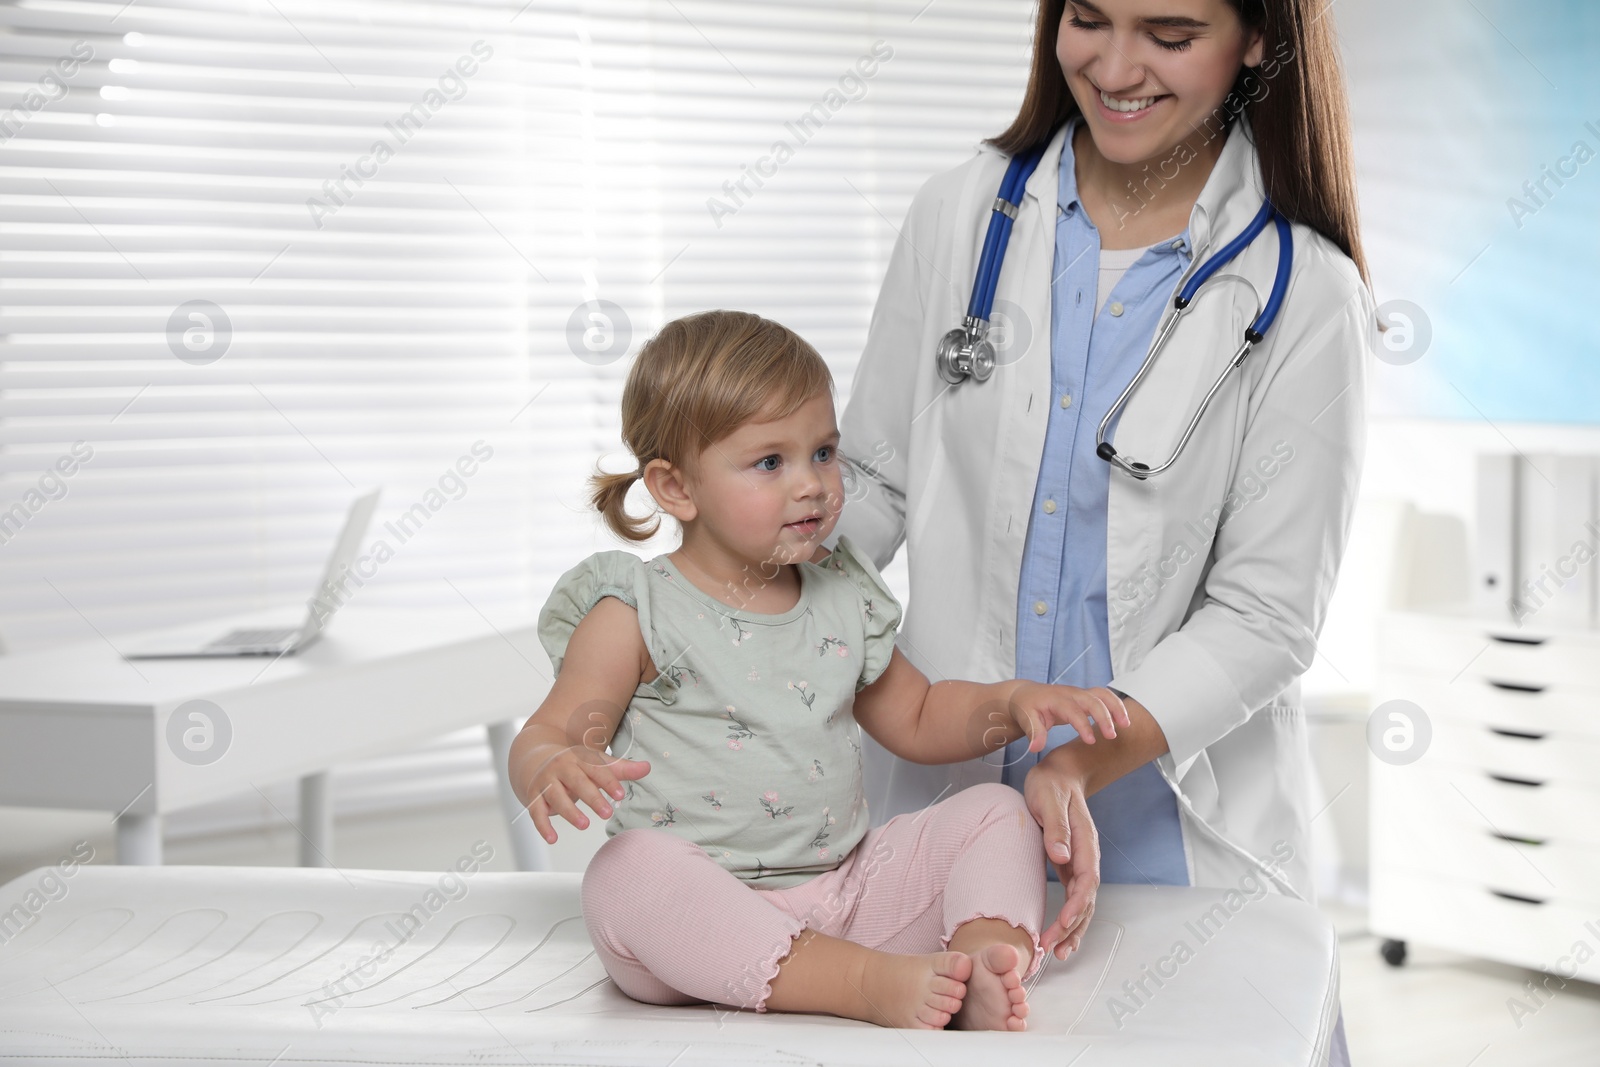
x=1489 y=844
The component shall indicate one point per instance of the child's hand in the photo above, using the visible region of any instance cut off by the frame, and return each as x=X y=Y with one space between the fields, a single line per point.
x=1036 y=707
x=574 y=774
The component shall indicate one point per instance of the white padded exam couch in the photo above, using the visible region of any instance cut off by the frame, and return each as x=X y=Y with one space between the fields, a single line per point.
x=244 y=965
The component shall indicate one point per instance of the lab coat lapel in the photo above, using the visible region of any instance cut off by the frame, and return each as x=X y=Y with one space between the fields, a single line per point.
x=1160 y=408
x=1022 y=386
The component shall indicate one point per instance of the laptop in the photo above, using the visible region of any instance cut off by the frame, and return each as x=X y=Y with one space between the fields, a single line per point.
x=320 y=607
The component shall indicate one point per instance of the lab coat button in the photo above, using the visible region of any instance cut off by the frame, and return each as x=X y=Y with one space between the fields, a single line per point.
x=1116 y=307
x=1040 y=607
x=1049 y=507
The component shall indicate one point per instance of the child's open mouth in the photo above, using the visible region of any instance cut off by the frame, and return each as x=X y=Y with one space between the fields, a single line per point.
x=805 y=526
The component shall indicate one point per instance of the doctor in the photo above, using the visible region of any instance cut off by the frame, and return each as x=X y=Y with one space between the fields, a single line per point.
x=1196 y=594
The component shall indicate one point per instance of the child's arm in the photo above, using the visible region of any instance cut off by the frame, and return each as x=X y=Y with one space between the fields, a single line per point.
x=559 y=756
x=951 y=721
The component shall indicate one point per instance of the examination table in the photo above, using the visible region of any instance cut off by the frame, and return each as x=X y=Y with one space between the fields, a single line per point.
x=259 y=965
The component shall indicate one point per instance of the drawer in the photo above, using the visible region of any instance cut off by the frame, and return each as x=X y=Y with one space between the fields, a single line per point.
x=1472 y=919
x=1516 y=752
x=1497 y=702
x=1446 y=647
x=1404 y=838
x=1446 y=795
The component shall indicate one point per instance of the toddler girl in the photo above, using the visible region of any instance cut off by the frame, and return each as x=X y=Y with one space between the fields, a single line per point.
x=727 y=679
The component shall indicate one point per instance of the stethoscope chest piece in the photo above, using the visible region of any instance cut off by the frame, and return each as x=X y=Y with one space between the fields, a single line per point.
x=965 y=352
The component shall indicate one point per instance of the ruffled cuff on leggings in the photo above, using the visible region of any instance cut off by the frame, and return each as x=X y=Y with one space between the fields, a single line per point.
x=764 y=972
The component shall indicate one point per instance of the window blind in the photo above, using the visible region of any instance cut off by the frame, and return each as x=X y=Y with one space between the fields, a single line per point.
x=258 y=256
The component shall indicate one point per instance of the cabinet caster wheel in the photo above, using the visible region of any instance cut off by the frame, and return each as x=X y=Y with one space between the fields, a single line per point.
x=1394 y=952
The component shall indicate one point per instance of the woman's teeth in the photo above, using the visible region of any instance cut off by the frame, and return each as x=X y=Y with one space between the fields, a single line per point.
x=1127 y=105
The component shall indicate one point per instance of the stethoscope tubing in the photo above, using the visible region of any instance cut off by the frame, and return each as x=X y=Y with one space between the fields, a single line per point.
x=981 y=305
x=995 y=239
x=1254 y=334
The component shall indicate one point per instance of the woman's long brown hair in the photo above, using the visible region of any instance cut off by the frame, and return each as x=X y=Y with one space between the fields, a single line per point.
x=1299 y=114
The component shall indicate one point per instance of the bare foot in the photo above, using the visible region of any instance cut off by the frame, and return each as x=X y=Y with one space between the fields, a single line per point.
x=913 y=992
x=995 y=998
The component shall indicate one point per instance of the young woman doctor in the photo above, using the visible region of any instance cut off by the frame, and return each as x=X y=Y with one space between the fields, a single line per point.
x=1193 y=596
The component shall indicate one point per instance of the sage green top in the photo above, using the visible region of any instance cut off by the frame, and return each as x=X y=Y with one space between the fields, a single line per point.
x=748 y=729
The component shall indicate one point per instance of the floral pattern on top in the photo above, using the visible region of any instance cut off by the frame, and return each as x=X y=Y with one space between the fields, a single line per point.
x=769 y=801
x=839 y=647
x=768 y=786
x=819 y=840
x=739 y=732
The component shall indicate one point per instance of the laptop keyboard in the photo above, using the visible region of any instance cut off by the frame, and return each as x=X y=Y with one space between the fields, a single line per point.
x=254 y=638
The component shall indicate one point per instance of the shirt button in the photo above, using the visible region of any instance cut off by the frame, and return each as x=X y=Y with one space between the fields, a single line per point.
x=1116 y=307
x=1040 y=607
x=1049 y=507
x=1066 y=400
x=1177 y=244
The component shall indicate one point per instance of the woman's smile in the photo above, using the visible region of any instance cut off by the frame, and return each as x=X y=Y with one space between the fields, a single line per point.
x=1129 y=110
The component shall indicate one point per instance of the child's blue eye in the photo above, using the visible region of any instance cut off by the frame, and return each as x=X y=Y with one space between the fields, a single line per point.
x=825 y=453
x=760 y=463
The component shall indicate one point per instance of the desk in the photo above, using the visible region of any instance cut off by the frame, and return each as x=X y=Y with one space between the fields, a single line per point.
x=81 y=727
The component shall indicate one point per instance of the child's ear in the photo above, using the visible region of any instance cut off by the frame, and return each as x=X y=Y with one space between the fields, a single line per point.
x=668 y=485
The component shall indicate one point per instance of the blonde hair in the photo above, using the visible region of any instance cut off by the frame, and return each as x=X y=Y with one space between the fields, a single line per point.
x=693 y=384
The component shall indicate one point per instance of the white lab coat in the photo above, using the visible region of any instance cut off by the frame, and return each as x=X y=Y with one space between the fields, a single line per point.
x=1213 y=640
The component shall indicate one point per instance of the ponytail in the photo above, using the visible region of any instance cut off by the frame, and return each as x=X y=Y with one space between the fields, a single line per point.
x=609 y=494
x=699 y=379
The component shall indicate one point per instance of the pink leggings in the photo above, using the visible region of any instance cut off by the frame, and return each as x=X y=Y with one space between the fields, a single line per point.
x=673 y=927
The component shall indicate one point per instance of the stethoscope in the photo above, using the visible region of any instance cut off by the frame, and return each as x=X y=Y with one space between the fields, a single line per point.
x=966 y=352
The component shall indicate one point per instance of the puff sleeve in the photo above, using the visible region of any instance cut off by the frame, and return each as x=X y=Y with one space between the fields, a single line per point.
x=880 y=611
x=611 y=573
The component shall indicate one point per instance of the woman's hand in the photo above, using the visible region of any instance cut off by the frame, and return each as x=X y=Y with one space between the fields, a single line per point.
x=1056 y=794
x=1036 y=707
x=578 y=773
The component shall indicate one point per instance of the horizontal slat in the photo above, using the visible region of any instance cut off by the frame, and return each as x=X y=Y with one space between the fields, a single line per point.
x=430 y=310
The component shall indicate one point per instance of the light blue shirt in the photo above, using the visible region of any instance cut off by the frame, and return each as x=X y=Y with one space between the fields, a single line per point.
x=1063 y=631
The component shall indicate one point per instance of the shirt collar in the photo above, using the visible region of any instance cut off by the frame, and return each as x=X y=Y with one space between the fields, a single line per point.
x=1236 y=172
